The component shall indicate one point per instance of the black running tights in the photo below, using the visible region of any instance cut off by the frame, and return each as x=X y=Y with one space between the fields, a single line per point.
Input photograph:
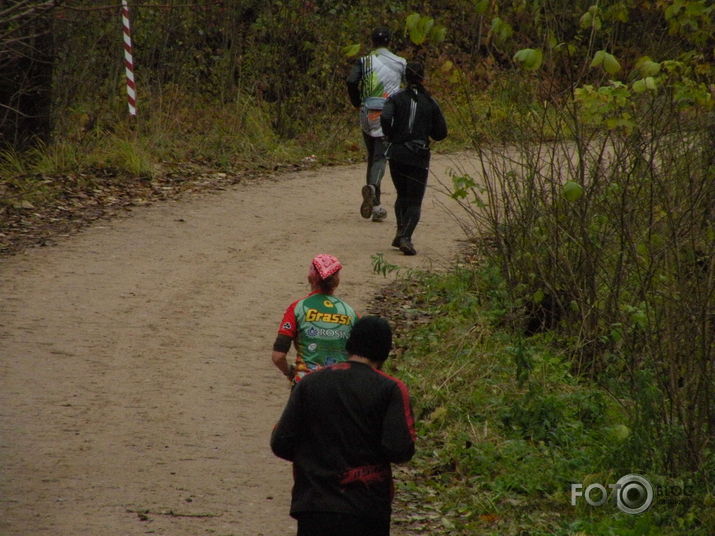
x=410 y=183
x=335 y=524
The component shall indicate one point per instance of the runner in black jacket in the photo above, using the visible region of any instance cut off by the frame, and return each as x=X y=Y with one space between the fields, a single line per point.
x=409 y=119
x=342 y=428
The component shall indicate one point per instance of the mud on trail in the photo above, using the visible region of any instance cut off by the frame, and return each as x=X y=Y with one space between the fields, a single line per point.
x=137 y=393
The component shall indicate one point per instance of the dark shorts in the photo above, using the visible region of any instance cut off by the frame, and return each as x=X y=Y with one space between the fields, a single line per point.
x=336 y=524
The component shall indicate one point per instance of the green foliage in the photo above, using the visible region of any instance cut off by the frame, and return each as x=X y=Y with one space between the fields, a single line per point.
x=55 y=158
x=594 y=237
x=421 y=29
x=647 y=67
x=382 y=266
x=529 y=58
x=592 y=19
x=607 y=106
x=607 y=61
x=505 y=427
x=351 y=50
x=692 y=20
x=129 y=157
x=573 y=191
x=645 y=84
x=501 y=30
x=12 y=163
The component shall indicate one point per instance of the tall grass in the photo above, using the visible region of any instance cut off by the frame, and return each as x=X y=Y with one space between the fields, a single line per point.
x=173 y=129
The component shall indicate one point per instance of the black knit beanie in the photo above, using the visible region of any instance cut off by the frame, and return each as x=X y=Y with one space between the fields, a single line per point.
x=381 y=36
x=414 y=72
x=370 y=337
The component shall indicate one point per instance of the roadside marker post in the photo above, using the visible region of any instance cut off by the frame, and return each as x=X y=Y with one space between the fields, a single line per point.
x=128 y=61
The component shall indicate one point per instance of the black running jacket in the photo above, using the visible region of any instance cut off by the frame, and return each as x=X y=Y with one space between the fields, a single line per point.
x=341 y=428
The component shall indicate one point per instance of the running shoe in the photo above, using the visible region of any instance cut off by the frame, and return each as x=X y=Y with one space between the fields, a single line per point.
x=368 y=201
x=379 y=213
x=406 y=247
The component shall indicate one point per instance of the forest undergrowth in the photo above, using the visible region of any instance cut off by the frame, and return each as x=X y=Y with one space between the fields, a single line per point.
x=506 y=427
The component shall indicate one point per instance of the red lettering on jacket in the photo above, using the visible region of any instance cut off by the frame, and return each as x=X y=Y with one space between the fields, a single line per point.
x=366 y=475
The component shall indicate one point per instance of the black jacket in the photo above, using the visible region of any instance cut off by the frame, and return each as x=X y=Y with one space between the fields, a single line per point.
x=409 y=119
x=341 y=428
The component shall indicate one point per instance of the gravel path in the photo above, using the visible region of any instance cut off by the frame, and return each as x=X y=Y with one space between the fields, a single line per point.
x=136 y=390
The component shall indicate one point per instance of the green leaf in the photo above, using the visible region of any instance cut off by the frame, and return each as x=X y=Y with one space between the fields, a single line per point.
x=591 y=19
x=438 y=34
x=617 y=12
x=419 y=28
x=529 y=58
x=585 y=21
x=501 y=29
x=607 y=61
x=480 y=6
x=551 y=41
x=572 y=191
x=426 y=24
x=351 y=50
x=639 y=86
x=418 y=37
x=412 y=20
x=610 y=64
x=598 y=58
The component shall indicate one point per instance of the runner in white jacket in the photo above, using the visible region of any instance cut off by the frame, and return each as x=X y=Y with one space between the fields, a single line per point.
x=372 y=80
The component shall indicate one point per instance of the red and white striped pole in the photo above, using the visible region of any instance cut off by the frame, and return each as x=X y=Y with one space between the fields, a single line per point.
x=128 y=61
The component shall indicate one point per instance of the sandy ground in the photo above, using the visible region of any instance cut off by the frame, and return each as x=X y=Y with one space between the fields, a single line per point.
x=137 y=394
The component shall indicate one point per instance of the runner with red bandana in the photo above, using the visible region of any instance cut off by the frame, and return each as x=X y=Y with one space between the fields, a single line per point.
x=318 y=325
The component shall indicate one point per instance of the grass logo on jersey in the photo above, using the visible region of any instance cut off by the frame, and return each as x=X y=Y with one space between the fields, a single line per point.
x=313 y=315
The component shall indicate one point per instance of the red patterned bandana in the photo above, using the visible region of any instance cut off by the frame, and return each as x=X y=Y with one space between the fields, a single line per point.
x=324 y=265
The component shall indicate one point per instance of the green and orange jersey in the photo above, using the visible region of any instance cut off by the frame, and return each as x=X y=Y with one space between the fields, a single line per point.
x=319 y=325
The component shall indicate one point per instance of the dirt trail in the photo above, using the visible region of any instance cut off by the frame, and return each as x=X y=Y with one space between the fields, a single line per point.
x=136 y=390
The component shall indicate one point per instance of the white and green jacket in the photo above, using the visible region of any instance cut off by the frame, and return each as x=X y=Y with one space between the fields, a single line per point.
x=372 y=80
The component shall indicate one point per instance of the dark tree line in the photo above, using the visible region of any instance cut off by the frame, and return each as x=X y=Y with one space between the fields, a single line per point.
x=26 y=62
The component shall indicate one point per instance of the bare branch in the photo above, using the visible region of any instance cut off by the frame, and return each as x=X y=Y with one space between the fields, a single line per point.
x=135 y=5
x=14 y=7
x=27 y=17
x=14 y=110
x=39 y=8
